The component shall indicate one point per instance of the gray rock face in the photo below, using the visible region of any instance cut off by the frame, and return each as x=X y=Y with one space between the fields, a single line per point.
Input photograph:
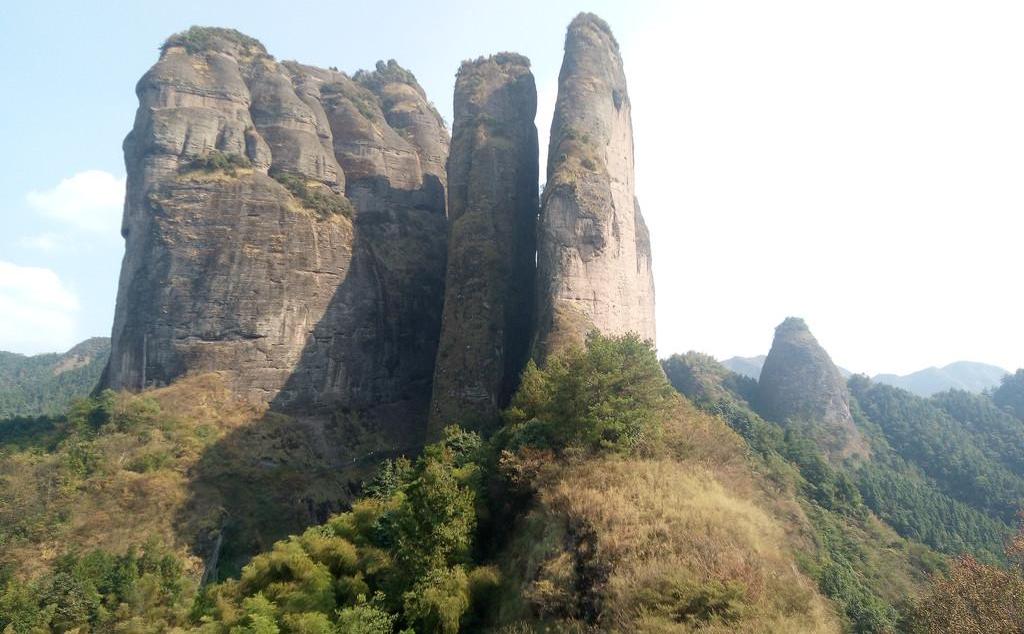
x=284 y=225
x=594 y=257
x=492 y=206
x=799 y=385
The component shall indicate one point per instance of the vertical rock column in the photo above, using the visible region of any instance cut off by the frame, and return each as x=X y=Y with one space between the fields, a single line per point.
x=492 y=207
x=594 y=257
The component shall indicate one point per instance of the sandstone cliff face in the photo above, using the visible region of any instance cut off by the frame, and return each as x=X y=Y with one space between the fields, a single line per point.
x=284 y=225
x=594 y=258
x=799 y=385
x=492 y=207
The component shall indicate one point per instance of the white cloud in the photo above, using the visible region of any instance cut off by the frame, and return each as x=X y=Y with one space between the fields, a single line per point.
x=89 y=200
x=45 y=242
x=37 y=311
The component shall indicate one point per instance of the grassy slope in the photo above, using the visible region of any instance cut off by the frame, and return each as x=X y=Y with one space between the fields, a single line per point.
x=689 y=538
x=182 y=464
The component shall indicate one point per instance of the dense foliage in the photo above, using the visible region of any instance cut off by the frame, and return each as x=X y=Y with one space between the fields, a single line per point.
x=609 y=396
x=94 y=591
x=45 y=384
x=1010 y=394
x=399 y=558
x=949 y=454
x=996 y=431
x=974 y=597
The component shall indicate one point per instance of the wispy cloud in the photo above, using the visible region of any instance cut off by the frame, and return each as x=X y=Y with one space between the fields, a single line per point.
x=37 y=311
x=89 y=200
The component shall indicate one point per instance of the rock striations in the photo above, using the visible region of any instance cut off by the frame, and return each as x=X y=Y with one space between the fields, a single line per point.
x=284 y=225
x=799 y=385
x=594 y=257
x=492 y=207
x=292 y=228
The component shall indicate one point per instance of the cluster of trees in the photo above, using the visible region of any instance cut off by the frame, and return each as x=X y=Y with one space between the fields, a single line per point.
x=1010 y=394
x=974 y=597
x=400 y=558
x=142 y=588
x=948 y=453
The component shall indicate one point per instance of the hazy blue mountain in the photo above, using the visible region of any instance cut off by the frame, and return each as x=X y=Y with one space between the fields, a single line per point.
x=962 y=375
x=969 y=376
x=47 y=383
x=751 y=366
x=747 y=366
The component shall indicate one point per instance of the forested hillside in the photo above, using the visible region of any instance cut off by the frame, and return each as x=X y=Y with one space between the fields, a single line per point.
x=47 y=383
x=605 y=501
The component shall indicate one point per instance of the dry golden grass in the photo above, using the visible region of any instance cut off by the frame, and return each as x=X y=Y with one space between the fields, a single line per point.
x=123 y=503
x=687 y=538
x=197 y=459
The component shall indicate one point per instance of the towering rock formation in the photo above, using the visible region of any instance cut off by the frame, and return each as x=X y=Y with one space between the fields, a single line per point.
x=594 y=257
x=284 y=225
x=800 y=386
x=492 y=207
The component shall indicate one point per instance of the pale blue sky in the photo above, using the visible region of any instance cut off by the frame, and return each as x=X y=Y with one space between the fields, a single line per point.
x=858 y=164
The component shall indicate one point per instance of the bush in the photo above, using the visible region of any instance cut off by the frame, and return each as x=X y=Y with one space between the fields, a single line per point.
x=317 y=198
x=608 y=396
x=202 y=38
x=217 y=161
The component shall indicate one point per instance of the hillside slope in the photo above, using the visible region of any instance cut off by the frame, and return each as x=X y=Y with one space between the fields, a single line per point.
x=47 y=383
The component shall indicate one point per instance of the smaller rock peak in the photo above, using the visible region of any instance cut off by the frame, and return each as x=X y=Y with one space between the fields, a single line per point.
x=200 y=39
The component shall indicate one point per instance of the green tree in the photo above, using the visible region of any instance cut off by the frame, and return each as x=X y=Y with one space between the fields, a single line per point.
x=1010 y=394
x=608 y=396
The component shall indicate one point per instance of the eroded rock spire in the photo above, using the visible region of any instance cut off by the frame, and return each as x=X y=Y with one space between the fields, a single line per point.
x=492 y=207
x=594 y=257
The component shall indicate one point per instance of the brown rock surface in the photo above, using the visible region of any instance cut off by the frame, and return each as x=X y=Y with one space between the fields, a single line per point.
x=281 y=231
x=594 y=259
x=800 y=386
x=492 y=204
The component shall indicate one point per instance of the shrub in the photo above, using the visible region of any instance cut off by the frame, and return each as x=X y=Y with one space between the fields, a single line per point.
x=364 y=618
x=201 y=38
x=438 y=601
x=608 y=396
x=217 y=161
x=317 y=198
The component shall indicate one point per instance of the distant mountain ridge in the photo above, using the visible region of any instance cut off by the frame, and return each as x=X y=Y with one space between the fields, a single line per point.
x=969 y=376
x=47 y=383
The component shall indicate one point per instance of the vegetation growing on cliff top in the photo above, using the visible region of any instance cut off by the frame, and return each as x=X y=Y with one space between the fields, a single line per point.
x=203 y=38
x=316 y=196
x=217 y=161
